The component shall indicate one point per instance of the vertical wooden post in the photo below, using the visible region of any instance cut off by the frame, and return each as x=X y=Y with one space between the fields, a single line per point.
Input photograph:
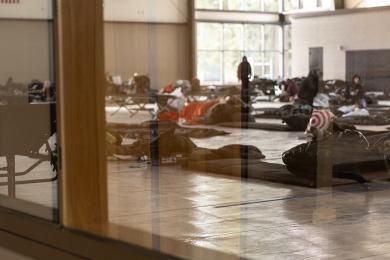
x=80 y=53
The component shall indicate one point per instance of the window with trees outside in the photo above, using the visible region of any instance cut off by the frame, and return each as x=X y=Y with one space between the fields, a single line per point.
x=221 y=46
x=240 y=5
x=305 y=5
x=287 y=51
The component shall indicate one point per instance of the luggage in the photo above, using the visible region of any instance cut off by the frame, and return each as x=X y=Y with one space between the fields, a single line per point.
x=297 y=122
x=297 y=117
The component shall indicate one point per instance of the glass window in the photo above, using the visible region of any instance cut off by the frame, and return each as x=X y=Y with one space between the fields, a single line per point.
x=209 y=66
x=287 y=51
x=272 y=37
x=309 y=5
x=232 y=37
x=28 y=143
x=256 y=59
x=232 y=4
x=287 y=37
x=291 y=5
x=243 y=168
x=239 y=38
x=208 y=4
x=320 y=5
x=230 y=62
x=209 y=36
x=287 y=64
x=240 y=5
x=273 y=65
x=253 y=37
x=252 y=5
x=270 y=6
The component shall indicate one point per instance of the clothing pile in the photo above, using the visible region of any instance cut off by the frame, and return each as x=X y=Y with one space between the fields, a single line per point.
x=220 y=91
x=177 y=96
x=154 y=137
x=215 y=111
x=168 y=137
x=265 y=86
x=377 y=119
x=289 y=91
x=39 y=91
x=13 y=93
x=235 y=151
x=180 y=106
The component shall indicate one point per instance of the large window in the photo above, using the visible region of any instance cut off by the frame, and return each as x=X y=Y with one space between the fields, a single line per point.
x=312 y=5
x=221 y=47
x=287 y=46
x=240 y=5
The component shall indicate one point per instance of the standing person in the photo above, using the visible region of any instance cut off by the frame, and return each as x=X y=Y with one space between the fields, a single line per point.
x=309 y=89
x=46 y=91
x=244 y=73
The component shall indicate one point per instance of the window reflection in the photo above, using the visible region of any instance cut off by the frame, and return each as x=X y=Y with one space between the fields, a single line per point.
x=240 y=5
x=28 y=143
x=262 y=134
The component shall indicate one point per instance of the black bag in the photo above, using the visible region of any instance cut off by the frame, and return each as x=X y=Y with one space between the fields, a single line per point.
x=297 y=117
x=352 y=153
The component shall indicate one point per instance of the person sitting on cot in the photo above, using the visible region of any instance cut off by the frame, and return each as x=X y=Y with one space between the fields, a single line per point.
x=355 y=94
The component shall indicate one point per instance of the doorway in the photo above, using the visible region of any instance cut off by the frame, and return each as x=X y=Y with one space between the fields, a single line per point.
x=316 y=59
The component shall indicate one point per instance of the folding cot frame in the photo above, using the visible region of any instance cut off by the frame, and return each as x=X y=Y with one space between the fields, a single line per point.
x=133 y=104
x=24 y=130
x=12 y=174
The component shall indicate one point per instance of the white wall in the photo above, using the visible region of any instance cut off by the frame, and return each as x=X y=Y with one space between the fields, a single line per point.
x=24 y=50
x=27 y=9
x=156 y=11
x=354 y=31
x=365 y=3
x=159 y=50
x=161 y=11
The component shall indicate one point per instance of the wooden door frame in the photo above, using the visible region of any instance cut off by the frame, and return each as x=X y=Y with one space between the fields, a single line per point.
x=81 y=103
x=81 y=131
